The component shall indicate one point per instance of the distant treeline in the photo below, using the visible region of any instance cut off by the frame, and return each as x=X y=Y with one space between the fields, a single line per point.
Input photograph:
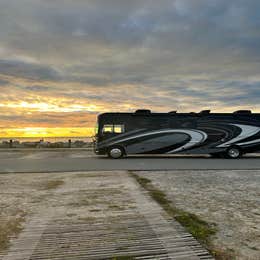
x=43 y=144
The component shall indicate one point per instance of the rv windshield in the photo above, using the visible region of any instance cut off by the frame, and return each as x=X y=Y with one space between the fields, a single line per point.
x=96 y=129
x=117 y=129
x=107 y=129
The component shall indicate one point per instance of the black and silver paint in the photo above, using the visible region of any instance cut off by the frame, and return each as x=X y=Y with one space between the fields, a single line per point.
x=167 y=133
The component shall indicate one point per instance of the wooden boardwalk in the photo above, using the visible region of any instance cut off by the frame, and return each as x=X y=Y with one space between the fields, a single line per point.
x=142 y=231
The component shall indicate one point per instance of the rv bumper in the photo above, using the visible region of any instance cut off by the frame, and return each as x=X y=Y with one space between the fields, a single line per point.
x=99 y=151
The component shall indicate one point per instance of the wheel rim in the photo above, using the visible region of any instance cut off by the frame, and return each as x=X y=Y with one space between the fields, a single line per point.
x=234 y=153
x=116 y=153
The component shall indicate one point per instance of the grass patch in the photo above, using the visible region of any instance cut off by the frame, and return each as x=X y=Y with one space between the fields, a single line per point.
x=200 y=229
x=94 y=210
x=10 y=228
x=80 y=203
x=87 y=219
x=88 y=175
x=52 y=184
x=122 y=258
x=116 y=207
x=224 y=254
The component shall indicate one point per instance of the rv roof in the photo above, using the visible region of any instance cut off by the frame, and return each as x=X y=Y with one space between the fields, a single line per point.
x=175 y=113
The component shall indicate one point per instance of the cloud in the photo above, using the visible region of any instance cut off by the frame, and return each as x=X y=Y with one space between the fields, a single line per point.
x=3 y=82
x=121 y=55
x=38 y=88
x=27 y=70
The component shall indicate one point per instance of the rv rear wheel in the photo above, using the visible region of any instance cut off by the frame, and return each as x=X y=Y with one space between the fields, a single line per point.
x=115 y=152
x=233 y=153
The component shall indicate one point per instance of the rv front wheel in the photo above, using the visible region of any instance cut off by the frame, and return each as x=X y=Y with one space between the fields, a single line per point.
x=233 y=153
x=115 y=152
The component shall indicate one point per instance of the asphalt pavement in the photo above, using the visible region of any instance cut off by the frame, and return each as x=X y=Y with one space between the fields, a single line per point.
x=60 y=161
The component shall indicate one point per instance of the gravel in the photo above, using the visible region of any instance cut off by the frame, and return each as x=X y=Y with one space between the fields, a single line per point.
x=228 y=198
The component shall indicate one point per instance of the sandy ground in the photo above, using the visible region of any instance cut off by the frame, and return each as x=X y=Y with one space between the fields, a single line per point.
x=228 y=198
x=89 y=215
x=231 y=199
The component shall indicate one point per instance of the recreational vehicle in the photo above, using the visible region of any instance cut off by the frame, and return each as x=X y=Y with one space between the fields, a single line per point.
x=228 y=135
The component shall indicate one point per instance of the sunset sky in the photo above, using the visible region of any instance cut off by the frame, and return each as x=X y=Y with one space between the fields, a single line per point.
x=64 y=61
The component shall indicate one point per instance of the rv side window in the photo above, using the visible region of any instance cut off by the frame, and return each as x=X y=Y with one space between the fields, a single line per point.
x=119 y=129
x=107 y=129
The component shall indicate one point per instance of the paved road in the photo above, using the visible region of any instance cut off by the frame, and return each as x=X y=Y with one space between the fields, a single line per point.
x=85 y=161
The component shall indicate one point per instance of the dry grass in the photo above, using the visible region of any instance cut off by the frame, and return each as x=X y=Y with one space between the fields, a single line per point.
x=89 y=175
x=223 y=254
x=122 y=258
x=80 y=203
x=116 y=207
x=51 y=184
x=87 y=219
x=199 y=228
x=9 y=228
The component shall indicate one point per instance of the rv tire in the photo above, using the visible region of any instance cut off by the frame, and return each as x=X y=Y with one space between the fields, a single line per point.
x=233 y=152
x=115 y=152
